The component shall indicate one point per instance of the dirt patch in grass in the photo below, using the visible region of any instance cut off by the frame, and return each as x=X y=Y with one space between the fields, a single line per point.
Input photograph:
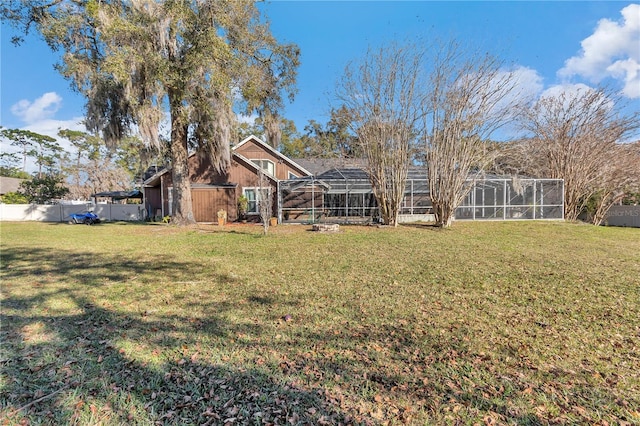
x=516 y=323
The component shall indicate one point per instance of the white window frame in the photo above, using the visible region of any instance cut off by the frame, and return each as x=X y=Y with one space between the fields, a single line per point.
x=256 y=191
x=262 y=162
x=292 y=175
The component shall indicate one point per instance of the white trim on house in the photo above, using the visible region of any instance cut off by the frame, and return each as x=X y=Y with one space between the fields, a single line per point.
x=260 y=162
x=256 y=199
x=273 y=151
x=254 y=166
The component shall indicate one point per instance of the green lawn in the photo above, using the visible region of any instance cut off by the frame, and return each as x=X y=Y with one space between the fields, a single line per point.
x=486 y=323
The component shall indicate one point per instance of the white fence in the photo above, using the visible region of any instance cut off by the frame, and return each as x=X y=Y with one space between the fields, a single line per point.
x=623 y=216
x=62 y=212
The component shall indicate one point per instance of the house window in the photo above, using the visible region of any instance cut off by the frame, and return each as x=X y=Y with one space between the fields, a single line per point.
x=254 y=195
x=252 y=205
x=266 y=165
x=292 y=175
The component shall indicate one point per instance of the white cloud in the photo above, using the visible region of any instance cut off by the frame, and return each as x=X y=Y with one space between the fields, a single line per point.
x=613 y=50
x=42 y=108
x=566 y=90
x=529 y=82
x=570 y=92
x=49 y=127
x=38 y=116
x=629 y=70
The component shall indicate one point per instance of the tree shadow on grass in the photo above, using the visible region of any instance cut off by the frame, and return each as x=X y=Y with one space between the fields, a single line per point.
x=418 y=376
x=67 y=356
x=80 y=374
x=431 y=226
x=77 y=361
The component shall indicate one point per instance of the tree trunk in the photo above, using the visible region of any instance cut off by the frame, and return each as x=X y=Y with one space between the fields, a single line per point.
x=443 y=215
x=607 y=200
x=182 y=203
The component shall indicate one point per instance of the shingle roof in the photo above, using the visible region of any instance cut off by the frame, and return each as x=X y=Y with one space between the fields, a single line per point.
x=416 y=173
x=317 y=166
x=352 y=173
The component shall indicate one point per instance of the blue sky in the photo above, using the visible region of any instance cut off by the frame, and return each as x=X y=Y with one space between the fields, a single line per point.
x=555 y=44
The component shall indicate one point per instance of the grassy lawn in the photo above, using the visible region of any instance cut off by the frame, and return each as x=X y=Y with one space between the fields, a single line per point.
x=487 y=323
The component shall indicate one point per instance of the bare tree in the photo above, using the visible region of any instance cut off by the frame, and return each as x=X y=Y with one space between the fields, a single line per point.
x=572 y=136
x=619 y=176
x=383 y=95
x=264 y=198
x=470 y=97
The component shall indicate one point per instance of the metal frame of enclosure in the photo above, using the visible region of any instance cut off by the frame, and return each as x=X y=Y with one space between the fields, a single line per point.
x=513 y=198
x=349 y=199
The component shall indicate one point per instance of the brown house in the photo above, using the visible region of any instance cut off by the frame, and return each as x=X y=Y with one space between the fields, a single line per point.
x=212 y=191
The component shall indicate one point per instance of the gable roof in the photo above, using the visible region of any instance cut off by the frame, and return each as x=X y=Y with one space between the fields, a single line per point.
x=253 y=166
x=153 y=179
x=273 y=151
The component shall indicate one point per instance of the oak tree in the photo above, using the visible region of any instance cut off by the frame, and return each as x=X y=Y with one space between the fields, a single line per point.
x=139 y=62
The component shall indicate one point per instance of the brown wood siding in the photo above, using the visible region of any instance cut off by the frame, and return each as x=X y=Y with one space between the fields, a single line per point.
x=167 y=181
x=201 y=171
x=206 y=205
x=152 y=200
x=254 y=151
x=208 y=201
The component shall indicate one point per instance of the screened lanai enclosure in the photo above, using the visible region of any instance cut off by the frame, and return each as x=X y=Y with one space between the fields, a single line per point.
x=345 y=196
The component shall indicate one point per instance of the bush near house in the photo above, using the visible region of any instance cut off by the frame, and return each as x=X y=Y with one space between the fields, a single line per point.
x=14 y=198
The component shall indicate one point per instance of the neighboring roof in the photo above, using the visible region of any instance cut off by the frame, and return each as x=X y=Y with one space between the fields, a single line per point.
x=119 y=195
x=274 y=152
x=318 y=166
x=152 y=171
x=155 y=179
x=9 y=184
